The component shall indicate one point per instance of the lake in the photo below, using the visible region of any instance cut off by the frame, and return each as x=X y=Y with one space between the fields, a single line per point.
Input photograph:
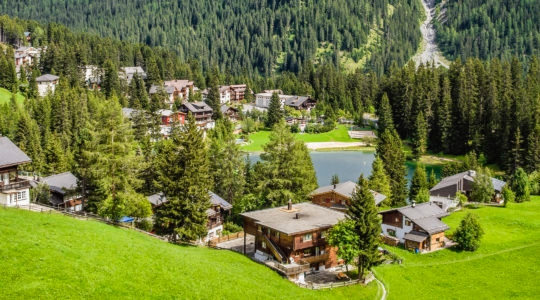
x=348 y=165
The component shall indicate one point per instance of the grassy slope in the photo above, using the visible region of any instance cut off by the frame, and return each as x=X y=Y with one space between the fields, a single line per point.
x=258 y=139
x=5 y=97
x=57 y=257
x=506 y=265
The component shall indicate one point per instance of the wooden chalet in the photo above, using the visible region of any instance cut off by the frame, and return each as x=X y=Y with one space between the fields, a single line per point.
x=294 y=236
x=463 y=182
x=418 y=226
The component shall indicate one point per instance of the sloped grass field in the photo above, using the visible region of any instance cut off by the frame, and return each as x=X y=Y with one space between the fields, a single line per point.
x=507 y=264
x=50 y=256
x=5 y=97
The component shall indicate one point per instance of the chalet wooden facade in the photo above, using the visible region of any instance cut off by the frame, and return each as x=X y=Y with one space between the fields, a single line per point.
x=338 y=196
x=63 y=191
x=418 y=226
x=201 y=111
x=294 y=236
x=14 y=190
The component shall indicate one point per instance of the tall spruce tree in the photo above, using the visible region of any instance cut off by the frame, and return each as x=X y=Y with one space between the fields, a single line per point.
x=226 y=162
x=390 y=150
x=275 y=112
x=520 y=185
x=184 y=178
x=385 y=115
x=419 y=137
x=363 y=212
x=418 y=183
x=379 y=181
x=287 y=169
x=213 y=99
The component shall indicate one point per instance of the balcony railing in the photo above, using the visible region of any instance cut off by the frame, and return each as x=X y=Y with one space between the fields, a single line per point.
x=315 y=258
x=292 y=269
x=15 y=185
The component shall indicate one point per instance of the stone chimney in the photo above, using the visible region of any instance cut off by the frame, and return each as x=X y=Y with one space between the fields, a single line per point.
x=289 y=205
x=413 y=204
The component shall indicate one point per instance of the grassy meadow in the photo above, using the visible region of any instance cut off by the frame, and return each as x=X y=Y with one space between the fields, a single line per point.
x=51 y=256
x=5 y=97
x=507 y=264
x=260 y=138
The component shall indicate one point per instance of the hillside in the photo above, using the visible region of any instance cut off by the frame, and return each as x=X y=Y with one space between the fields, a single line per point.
x=267 y=35
x=488 y=29
x=51 y=256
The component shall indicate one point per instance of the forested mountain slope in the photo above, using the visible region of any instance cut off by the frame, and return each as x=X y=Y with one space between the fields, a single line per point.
x=489 y=28
x=260 y=35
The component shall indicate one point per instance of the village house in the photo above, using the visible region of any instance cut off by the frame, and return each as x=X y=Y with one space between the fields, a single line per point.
x=170 y=118
x=417 y=226
x=338 y=196
x=14 y=191
x=230 y=112
x=201 y=111
x=92 y=76
x=26 y=56
x=294 y=236
x=297 y=102
x=176 y=90
x=463 y=183
x=216 y=213
x=46 y=84
x=63 y=193
x=228 y=93
x=127 y=73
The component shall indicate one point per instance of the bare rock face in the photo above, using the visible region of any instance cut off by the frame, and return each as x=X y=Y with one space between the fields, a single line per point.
x=430 y=52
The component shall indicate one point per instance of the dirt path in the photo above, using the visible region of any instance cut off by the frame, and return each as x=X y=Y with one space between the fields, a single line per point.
x=429 y=51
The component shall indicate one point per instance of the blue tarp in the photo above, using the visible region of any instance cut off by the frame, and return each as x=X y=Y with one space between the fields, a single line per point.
x=126 y=219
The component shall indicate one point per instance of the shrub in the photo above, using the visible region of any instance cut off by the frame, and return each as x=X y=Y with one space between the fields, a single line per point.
x=508 y=195
x=230 y=227
x=468 y=233
x=144 y=224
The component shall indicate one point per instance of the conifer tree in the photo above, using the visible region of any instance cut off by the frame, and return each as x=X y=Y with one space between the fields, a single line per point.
x=432 y=179
x=418 y=182
x=419 y=137
x=226 y=162
x=287 y=171
x=275 y=112
x=335 y=179
x=184 y=178
x=390 y=150
x=385 y=115
x=213 y=99
x=520 y=185
x=363 y=212
x=379 y=181
x=110 y=83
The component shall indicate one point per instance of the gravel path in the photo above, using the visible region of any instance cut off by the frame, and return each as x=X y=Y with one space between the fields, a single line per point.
x=430 y=50
x=326 y=145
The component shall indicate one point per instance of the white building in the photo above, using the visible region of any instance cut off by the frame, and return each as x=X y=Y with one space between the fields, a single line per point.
x=46 y=84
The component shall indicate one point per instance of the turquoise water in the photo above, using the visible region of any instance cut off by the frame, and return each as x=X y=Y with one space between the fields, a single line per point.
x=348 y=165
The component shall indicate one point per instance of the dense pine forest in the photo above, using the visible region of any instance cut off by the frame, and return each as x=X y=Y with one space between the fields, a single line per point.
x=488 y=29
x=486 y=109
x=253 y=37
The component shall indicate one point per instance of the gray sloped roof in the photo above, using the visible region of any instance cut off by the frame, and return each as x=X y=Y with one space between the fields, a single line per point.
x=426 y=215
x=217 y=200
x=157 y=199
x=47 y=78
x=196 y=107
x=310 y=217
x=346 y=189
x=61 y=182
x=296 y=101
x=10 y=154
x=157 y=88
x=467 y=176
x=416 y=236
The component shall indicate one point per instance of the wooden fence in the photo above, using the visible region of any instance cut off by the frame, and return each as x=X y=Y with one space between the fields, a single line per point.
x=221 y=239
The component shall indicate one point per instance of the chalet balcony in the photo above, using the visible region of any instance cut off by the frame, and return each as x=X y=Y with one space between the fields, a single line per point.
x=315 y=258
x=17 y=184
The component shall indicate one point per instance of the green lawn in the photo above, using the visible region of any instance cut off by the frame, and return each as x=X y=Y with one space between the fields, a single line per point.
x=5 y=97
x=507 y=264
x=258 y=139
x=50 y=256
